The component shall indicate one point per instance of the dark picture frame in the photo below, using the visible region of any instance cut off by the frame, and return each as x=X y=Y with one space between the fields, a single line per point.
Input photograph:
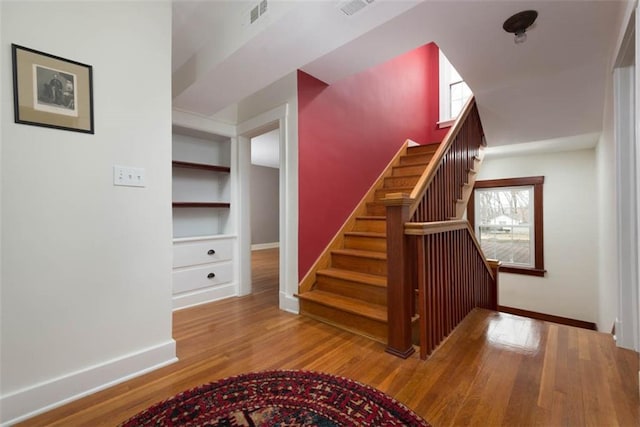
x=51 y=91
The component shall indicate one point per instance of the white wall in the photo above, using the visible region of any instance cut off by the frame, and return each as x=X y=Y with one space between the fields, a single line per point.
x=86 y=266
x=569 y=288
x=607 y=220
x=618 y=288
x=264 y=205
x=3 y=106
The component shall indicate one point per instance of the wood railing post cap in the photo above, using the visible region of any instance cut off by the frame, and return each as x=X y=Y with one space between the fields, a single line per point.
x=494 y=262
x=397 y=199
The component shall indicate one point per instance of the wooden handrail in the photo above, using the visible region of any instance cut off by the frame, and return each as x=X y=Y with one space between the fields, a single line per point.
x=428 y=228
x=428 y=174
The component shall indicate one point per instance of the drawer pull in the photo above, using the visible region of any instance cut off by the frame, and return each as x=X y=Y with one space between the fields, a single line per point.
x=211 y=276
x=211 y=252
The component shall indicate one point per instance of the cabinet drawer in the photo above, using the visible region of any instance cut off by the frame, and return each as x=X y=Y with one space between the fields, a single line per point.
x=193 y=278
x=202 y=252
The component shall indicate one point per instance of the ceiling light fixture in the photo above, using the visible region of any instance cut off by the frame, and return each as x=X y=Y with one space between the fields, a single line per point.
x=518 y=24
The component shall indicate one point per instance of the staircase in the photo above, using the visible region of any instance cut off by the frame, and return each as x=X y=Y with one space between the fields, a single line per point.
x=350 y=292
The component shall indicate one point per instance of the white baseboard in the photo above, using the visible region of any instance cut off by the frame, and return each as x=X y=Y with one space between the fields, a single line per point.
x=261 y=246
x=26 y=403
x=203 y=296
x=289 y=303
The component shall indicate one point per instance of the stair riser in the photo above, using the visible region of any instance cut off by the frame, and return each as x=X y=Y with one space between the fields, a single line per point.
x=409 y=170
x=347 y=288
x=374 y=209
x=373 y=225
x=422 y=159
x=376 y=244
x=423 y=149
x=359 y=264
x=400 y=181
x=344 y=320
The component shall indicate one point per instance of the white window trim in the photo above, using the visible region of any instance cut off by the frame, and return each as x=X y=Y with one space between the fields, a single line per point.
x=444 y=71
x=444 y=81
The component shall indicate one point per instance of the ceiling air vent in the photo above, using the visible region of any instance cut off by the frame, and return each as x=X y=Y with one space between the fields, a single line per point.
x=353 y=6
x=257 y=11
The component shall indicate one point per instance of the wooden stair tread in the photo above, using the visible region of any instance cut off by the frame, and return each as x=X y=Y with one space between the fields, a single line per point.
x=372 y=217
x=354 y=276
x=405 y=176
x=398 y=189
x=349 y=305
x=392 y=184
x=362 y=254
x=418 y=154
x=366 y=234
x=424 y=148
x=415 y=165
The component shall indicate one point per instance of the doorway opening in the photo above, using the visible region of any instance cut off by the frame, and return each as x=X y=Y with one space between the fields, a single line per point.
x=276 y=118
x=265 y=211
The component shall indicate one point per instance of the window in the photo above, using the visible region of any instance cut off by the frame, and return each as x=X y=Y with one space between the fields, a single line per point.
x=506 y=215
x=459 y=92
x=454 y=92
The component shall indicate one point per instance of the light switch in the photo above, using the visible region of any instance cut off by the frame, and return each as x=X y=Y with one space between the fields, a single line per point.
x=128 y=176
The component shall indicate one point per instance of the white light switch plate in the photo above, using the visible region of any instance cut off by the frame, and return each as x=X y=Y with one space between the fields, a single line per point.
x=128 y=176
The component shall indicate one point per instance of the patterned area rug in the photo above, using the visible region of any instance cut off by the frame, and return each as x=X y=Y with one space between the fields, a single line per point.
x=279 y=398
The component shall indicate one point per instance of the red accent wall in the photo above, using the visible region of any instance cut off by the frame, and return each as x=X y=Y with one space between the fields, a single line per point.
x=349 y=131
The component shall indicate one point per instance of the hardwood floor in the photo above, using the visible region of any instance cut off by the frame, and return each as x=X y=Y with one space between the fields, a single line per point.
x=494 y=369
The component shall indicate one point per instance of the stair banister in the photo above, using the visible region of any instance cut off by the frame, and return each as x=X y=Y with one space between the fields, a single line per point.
x=401 y=208
x=438 y=314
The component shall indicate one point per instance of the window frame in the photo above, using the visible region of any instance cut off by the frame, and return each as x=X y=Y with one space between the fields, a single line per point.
x=446 y=70
x=462 y=100
x=538 y=230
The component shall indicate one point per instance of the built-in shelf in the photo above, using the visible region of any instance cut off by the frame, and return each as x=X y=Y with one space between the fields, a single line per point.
x=201 y=204
x=201 y=183
x=200 y=166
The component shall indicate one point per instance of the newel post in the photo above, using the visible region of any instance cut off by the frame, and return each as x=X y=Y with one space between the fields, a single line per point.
x=399 y=287
x=494 y=264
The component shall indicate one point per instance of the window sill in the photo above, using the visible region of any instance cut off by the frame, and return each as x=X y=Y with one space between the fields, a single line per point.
x=446 y=123
x=522 y=270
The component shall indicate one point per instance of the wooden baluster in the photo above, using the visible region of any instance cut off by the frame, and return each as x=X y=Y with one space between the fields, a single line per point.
x=433 y=290
x=452 y=275
x=455 y=275
x=466 y=273
x=442 y=289
x=399 y=287
x=446 y=240
x=412 y=277
x=463 y=273
x=493 y=294
x=430 y=296
x=421 y=277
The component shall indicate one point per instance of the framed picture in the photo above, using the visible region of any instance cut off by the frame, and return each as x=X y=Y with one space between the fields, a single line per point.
x=51 y=91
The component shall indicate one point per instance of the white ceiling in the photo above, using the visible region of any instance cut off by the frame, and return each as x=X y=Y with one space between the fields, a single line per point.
x=550 y=87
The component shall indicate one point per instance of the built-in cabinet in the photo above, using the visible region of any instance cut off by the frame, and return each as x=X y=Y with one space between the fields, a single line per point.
x=203 y=238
